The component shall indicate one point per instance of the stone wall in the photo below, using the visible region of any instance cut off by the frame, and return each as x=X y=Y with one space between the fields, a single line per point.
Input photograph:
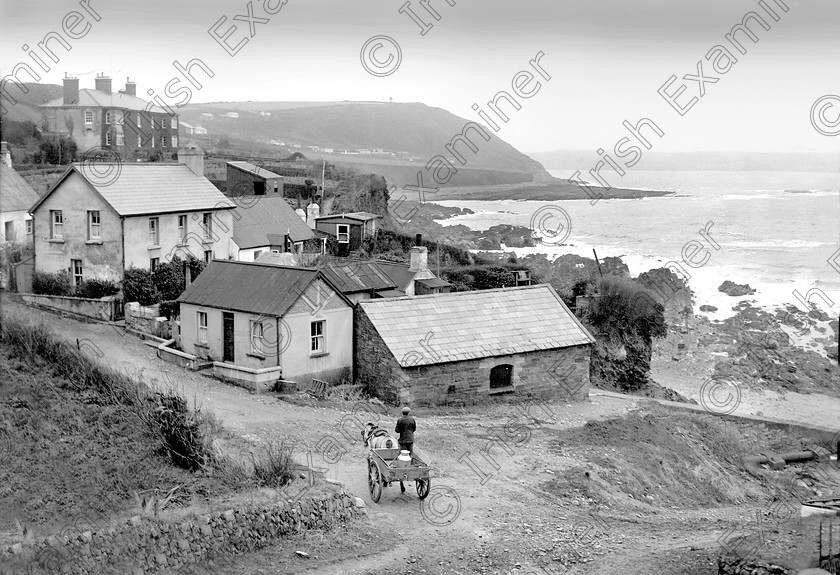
x=148 y=320
x=143 y=546
x=101 y=309
x=559 y=373
x=741 y=567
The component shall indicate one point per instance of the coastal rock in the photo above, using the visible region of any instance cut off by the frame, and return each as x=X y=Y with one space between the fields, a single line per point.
x=735 y=290
x=708 y=308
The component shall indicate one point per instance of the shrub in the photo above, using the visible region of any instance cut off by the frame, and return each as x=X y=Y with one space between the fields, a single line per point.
x=96 y=289
x=138 y=286
x=625 y=307
x=195 y=265
x=169 y=309
x=169 y=279
x=275 y=467
x=52 y=284
x=180 y=431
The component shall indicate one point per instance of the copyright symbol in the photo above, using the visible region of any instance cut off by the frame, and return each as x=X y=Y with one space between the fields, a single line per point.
x=552 y=225
x=441 y=507
x=720 y=397
x=381 y=66
x=101 y=166
x=820 y=121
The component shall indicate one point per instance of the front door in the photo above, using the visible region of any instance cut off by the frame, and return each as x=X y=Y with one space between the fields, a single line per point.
x=227 y=338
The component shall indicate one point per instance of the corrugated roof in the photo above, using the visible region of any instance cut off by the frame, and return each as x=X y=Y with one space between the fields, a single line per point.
x=255 y=170
x=149 y=188
x=258 y=217
x=15 y=194
x=360 y=216
x=355 y=276
x=95 y=98
x=258 y=288
x=441 y=328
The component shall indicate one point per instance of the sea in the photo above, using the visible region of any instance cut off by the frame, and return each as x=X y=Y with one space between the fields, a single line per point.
x=776 y=231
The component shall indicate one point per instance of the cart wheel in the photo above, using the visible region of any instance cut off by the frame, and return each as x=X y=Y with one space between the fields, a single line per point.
x=423 y=488
x=374 y=483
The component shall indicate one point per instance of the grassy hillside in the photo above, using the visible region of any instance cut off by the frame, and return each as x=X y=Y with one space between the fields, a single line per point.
x=26 y=106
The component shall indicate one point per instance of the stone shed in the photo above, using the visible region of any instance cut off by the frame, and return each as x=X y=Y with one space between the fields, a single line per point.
x=433 y=348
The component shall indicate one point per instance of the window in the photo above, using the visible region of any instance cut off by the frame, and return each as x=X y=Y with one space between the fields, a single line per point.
x=154 y=238
x=501 y=376
x=174 y=122
x=108 y=115
x=208 y=256
x=163 y=143
x=120 y=118
x=28 y=226
x=76 y=268
x=139 y=124
x=207 y=225
x=316 y=330
x=57 y=220
x=152 y=139
x=120 y=139
x=108 y=138
x=9 y=230
x=202 y=326
x=153 y=264
x=257 y=338
x=94 y=225
x=343 y=233
x=139 y=141
x=182 y=230
x=88 y=117
x=174 y=141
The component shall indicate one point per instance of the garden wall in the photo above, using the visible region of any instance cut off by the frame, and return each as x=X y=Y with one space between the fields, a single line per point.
x=108 y=309
x=148 y=320
x=144 y=546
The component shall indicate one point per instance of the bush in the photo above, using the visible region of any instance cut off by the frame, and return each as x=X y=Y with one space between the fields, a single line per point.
x=169 y=279
x=180 y=430
x=96 y=289
x=276 y=465
x=52 y=284
x=625 y=307
x=138 y=286
x=169 y=309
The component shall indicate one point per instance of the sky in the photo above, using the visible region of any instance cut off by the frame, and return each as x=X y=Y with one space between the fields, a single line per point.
x=606 y=59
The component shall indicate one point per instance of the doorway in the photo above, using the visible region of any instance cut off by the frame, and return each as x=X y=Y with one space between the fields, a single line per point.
x=228 y=351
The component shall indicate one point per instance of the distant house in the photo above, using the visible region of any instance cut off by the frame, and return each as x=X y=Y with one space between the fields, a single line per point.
x=264 y=113
x=16 y=197
x=360 y=280
x=199 y=131
x=267 y=224
x=207 y=116
x=415 y=278
x=260 y=323
x=232 y=115
x=433 y=348
x=245 y=179
x=349 y=229
x=98 y=223
x=120 y=121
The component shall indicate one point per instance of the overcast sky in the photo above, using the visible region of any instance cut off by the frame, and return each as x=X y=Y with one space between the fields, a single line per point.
x=606 y=59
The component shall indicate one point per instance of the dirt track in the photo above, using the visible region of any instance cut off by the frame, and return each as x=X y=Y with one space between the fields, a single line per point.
x=484 y=515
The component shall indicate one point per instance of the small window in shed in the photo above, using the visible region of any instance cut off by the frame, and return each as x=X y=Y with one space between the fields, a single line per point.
x=501 y=376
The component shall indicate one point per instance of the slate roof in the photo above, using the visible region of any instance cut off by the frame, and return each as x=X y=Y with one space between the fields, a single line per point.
x=357 y=276
x=262 y=220
x=434 y=283
x=475 y=324
x=134 y=189
x=268 y=290
x=15 y=194
x=96 y=99
x=399 y=273
x=255 y=170
x=359 y=216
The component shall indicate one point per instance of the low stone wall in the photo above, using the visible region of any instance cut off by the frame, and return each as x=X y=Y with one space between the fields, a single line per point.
x=254 y=379
x=740 y=567
x=101 y=309
x=148 y=320
x=144 y=546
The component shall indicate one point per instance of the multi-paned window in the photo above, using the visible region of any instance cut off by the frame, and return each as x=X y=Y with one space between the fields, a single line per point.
x=56 y=224
x=28 y=226
x=174 y=122
x=139 y=124
x=174 y=141
x=208 y=256
x=139 y=141
x=201 y=321
x=153 y=264
x=316 y=331
x=108 y=138
x=108 y=115
x=76 y=268
x=257 y=337
x=94 y=225
x=88 y=117
x=163 y=143
x=182 y=229
x=154 y=235
x=343 y=233
x=207 y=224
x=120 y=139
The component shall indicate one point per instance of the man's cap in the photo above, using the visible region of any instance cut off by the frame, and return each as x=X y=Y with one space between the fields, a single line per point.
x=406 y=410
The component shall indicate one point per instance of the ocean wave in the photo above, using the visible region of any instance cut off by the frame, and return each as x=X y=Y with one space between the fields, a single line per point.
x=775 y=244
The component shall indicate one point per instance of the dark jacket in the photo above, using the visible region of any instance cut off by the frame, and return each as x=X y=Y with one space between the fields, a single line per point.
x=406 y=427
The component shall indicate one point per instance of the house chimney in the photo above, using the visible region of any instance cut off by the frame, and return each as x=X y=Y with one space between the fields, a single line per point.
x=418 y=240
x=71 y=90
x=6 y=154
x=130 y=87
x=193 y=158
x=103 y=84
x=419 y=258
x=313 y=211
